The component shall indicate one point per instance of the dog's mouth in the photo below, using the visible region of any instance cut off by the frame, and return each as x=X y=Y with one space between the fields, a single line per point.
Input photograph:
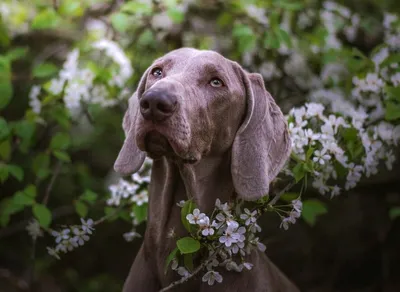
x=158 y=145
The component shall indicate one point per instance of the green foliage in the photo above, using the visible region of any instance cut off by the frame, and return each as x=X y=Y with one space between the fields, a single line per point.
x=42 y=214
x=187 y=245
x=187 y=208
x=140 y=212
x=46 y=19
x=245 y=37
x=394 y=212
x=6 y=89
x=44 y=70
x=312 y=209
x=120 y=21
x=169 y=259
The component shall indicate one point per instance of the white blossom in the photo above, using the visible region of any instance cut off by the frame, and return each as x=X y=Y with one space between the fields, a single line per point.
x=249 y=216
x=33 y=229
x=130 y=236
x=211 y=276
x=195 y=217
x=34 y=102
x=140 y=198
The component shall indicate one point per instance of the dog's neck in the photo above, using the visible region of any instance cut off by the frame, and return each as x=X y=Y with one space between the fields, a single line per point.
x=172 y=182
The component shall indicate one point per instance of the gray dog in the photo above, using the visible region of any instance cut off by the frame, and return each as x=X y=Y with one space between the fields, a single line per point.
x=214 y=132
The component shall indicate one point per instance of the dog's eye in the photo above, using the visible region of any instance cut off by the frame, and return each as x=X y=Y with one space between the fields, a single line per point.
x=157 y=72
x=216 y=82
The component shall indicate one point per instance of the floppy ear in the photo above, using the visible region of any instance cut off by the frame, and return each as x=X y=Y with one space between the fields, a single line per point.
x=262 y=144
x=130 y=158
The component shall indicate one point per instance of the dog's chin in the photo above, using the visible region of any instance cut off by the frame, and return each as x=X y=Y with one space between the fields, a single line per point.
x=158 y=145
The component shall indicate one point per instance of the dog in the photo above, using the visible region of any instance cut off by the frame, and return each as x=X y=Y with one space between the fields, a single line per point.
x=213 y=131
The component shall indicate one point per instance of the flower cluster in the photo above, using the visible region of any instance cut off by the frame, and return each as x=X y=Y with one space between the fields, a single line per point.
x=133 y=193
x=71 y=237
x=78 y=83
x=230 y=236
x=293 y=214
x=336 y=144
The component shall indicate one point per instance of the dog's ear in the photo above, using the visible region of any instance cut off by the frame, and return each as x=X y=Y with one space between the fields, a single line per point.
x=130 y=158
x=262 y=144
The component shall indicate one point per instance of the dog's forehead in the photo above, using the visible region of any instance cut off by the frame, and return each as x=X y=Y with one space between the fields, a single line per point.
x=184 y=57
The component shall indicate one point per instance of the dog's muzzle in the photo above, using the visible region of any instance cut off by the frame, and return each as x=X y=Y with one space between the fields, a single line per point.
x=157 y=105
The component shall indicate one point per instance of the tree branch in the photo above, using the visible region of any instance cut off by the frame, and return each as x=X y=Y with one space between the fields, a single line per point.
x=204 y=264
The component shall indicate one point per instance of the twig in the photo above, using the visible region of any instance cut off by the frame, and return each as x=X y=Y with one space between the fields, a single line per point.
x=51 y=184
x=279 y=194
x=195 y=272
x=31 y=270
x=57 y=213
x=104 y=218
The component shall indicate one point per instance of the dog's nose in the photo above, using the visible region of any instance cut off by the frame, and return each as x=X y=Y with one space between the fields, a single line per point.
x=157 y=105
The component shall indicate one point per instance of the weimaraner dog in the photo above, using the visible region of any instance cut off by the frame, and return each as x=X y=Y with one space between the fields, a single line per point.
x=213 y=131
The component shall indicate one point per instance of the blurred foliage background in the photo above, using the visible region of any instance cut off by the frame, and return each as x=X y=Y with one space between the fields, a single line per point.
x=52 y=160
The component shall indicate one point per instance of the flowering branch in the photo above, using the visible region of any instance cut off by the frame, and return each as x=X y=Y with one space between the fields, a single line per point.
x=250 y=218
x=195 y=271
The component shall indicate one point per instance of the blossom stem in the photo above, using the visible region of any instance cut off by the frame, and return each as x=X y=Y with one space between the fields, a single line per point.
x=195 y=272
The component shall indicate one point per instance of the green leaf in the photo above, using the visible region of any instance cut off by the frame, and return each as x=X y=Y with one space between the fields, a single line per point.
x=30 y=191
x=288 y=197
x=272 y=41
x=44 y=70
x=20 y=198
x=312 y=209
x=120 y=21
x=71 y=8
x=392 y=111
x=42 y=214
x=176 y=15
x=299 y=171
x=169 y=259
x=188 y=261
x=88 y=196
x=309 y=153
x=17 y=53
x=225 y=19
x=140 y=212
x=394 y=212
x=16 y=171
x=136 y=7
x=6 y=89
x=4 y=129
x=62 y=156
x=393 y=93
x=188 y=245
x=40 y=165
x=288 y=5
x=187 y=208
x=391 y=59
x=46 y=19
x=81 y=208
x=3 y=172
x=283 y=36
x=4 y=39
x=24 y=129
x=5 y=149
x=245 y=37
x=350 y=134
x=60 y=141
x=61 y=116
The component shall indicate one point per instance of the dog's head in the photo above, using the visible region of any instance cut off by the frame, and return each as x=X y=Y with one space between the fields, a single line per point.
x=192 y=104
